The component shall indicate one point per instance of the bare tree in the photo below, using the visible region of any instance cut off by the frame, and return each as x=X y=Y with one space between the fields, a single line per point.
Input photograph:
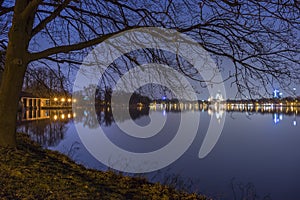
x=260 y=38
x=45 y=82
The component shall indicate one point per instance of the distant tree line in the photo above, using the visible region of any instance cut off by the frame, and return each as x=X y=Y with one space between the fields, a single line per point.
x=45 y=82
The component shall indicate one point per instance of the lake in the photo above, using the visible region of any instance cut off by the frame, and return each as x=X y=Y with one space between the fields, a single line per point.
x=257 y=155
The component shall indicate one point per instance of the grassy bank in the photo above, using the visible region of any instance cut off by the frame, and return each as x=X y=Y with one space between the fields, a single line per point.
x=30 y=172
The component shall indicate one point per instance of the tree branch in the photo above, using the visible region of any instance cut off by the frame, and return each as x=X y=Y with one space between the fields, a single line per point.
x=5 y=10
x=232 y=4
x=48 y=19
x=73 y=47
x=31 y=7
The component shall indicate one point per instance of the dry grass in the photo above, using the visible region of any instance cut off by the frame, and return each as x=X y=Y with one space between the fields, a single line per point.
x=30 y=172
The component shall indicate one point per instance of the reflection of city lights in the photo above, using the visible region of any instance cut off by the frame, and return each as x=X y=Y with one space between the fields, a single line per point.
x=181 y=106
x=152 y=106
x=219 y=115
x=275 y=118
x=276 y=109
x=196 y=106
x=209 y=112
x=55 y=117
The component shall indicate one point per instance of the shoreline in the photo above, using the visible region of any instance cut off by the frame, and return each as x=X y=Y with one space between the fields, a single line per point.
x=31 y=172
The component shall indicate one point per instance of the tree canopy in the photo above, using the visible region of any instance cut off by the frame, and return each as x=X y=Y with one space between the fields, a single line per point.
x=260 y=39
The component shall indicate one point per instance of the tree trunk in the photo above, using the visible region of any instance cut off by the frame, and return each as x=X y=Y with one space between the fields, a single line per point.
x=9 y=92
x=16 y=61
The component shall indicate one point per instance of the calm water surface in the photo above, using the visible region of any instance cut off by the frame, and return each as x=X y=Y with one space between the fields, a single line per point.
x=256 y=157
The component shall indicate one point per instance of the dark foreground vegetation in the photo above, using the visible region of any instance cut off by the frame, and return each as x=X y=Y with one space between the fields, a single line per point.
x=30 y=172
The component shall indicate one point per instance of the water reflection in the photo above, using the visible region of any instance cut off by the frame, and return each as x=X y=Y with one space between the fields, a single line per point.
x=218 y=109
x=33 y=114
x=48 y=126
x=248 y=149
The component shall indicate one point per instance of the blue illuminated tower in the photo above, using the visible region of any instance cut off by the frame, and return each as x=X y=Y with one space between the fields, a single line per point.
x=277 y=94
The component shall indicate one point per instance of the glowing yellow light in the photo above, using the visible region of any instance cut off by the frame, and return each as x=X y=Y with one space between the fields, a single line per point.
x=74 y=114
x=55 y=117
x=55 y=99
x=69 y=116
x=74 y=100
x=209 y=112
x=63 y=100
x=63 y=116
x=69 y=100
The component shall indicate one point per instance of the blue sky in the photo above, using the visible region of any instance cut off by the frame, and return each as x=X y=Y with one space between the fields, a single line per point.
x=185 y=17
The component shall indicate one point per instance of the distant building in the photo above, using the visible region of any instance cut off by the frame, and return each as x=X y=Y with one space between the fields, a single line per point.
x=29 y=101
x=218 y=98
x=277 y=94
